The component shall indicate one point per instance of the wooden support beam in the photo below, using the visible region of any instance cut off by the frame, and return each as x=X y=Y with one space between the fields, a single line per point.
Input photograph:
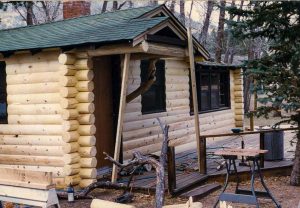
x=194 y=94
x=121 y=114
x=203 y=165
x=262 y=147
x=171 y=170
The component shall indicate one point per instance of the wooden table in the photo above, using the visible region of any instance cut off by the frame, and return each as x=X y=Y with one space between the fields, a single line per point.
x=241 y=195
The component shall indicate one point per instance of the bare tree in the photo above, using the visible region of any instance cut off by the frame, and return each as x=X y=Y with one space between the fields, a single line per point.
x=104 y=6
x=115 y=6
x=220 y=33
x=206 y=22
x=182 y=11
x=172 y=6
x=229 y=43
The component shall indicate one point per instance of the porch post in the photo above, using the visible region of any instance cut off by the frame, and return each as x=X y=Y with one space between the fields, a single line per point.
x=194 y=94
x=121 y=114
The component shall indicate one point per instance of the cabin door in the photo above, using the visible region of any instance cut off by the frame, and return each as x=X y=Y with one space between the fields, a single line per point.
x=104 y=108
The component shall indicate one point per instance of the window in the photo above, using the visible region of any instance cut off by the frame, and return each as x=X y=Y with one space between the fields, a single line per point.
x=3 y=94
x=154 y=100
x=213 y=89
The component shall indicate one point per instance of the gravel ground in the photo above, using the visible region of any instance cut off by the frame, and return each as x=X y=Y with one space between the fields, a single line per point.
x=288 y=196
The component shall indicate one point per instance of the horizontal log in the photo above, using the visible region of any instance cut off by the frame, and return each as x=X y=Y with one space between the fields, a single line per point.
x=34 y=109
x=31 y=160
x=177 y=87
x=31 y=150
x=69 y=114
x=83 y=64
x=179 y=79
x=27 y=68
x=32 y=78
x=88 y=162
x=239 y=105
x=70 y=136
x=177 y=102
x=87 y=173
x=68 y=92
x=238 y=94
x=67 y=70
x=87 y=151
x=71 y=169
x=239 y=111
x=85 y=86
x=65 y=59
x=84 y=75
x=72 y=180
x=33 y=140
x=43 y=98
x=71 y=158
x=239 y=123
x=86 y=108
x=70 y=147
x=67 y=81
x=47 y=87
x=34 y=119
x=56 y=171
x=86 y=182
x=87 y=141
x=68 y=103
x=15 y=129
x=85 y=97
x=178 y=95
x=86 y=118
x=86 y=130
x=70 y=125
x=176 y=71
x=171 y=63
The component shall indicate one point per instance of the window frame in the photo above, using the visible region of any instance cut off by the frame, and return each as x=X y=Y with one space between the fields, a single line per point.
x=200 y=70
x=162 y=71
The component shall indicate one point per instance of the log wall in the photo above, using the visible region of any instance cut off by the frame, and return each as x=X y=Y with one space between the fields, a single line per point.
x=141 y=132
x=32 y=139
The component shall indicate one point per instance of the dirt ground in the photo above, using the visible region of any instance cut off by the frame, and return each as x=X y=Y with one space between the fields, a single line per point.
x=288 y=196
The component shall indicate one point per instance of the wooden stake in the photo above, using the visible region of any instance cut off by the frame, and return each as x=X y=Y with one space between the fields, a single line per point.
x=194 y=92
x=121 y=114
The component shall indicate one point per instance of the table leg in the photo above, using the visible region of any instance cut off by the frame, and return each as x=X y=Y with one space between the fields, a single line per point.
x=237 y=176
x=253 y=171
x=228 y=169
x=264 y=184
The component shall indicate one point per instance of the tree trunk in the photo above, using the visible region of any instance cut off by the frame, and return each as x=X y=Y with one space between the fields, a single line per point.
x=229 y=43
x=295 y=175
x=29 y=13
x=104 y=6
x=182 y=12
x=172 y=6
x=115 y=5
x=220 y=33
x=206 y=22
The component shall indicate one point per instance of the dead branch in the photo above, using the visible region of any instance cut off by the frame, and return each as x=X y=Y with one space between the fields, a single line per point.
x=144 y=87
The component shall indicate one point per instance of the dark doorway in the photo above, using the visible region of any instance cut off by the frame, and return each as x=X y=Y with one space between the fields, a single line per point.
x=3 y=94
x=106 y=105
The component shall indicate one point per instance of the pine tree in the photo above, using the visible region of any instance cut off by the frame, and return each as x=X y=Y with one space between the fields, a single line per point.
x=278 y=71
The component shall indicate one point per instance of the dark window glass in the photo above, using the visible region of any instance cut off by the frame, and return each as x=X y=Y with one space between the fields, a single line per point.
x=154 y=100
x=213 y=90
x=3 y=94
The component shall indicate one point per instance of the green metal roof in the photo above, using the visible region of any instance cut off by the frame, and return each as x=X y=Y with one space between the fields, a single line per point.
x=102 y=28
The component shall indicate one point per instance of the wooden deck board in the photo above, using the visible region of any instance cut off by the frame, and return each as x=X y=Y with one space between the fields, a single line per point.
x=187 y=160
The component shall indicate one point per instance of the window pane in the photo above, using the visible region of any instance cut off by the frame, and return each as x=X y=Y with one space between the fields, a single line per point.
x=224 y=90
x=204 y=87
x=215 y=82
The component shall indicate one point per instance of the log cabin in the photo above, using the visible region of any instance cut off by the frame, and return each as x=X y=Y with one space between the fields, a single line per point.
x=69 y=90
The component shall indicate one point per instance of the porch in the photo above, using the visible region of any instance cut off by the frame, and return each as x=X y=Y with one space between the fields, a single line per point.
x=186 y=163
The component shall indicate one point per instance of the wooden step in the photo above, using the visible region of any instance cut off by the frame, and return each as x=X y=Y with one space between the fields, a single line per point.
x=188 y=182
x=201 y=191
